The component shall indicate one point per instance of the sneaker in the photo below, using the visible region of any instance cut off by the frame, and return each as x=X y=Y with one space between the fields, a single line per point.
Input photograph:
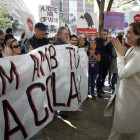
x=93 y=96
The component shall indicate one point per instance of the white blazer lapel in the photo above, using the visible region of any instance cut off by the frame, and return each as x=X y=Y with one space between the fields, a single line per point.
x=131 y=53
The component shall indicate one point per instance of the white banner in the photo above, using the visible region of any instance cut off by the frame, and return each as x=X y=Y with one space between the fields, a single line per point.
x=29 y=23
x=33 y=85
x=49 y=15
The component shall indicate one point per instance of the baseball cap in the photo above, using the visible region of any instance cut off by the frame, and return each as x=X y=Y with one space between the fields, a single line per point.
x=40 y=26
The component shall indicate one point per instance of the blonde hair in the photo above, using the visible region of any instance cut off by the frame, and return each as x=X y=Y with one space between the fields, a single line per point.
x=9 y=42
x=79 y=39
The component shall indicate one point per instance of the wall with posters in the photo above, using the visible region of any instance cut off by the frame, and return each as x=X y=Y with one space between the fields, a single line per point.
x=33 y=85
x=49 y=15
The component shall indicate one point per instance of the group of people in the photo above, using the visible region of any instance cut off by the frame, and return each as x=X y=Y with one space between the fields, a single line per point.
x=106 y=56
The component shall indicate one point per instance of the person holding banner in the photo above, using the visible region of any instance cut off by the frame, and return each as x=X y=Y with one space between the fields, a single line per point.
x=125 y=102
x=74 y=39
x=81 y=43
x=63 y=36
x=38 y=39
x=14 y=46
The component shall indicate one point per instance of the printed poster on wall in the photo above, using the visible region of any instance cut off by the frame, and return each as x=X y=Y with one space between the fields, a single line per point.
x=35 y=84
x=87 y=23
x=49 y=15
x=114 y=20
x=134 y=16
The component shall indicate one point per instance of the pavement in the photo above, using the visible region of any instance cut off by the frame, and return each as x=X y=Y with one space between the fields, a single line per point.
x=88 y=123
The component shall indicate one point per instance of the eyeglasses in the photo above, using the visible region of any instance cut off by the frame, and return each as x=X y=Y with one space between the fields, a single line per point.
x=104 y=34
x=16 y=46
x=1 y=39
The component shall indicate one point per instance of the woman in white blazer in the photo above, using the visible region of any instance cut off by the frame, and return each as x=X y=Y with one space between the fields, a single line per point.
x=124 y=105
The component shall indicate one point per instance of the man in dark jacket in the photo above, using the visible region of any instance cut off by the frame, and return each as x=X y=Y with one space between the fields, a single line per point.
x=63 y=36
x=104 y=45
x=38 y=39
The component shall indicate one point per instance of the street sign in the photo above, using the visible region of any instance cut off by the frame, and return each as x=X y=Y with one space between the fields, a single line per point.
x=127 y=14
x=49 y=26
x=125 y=24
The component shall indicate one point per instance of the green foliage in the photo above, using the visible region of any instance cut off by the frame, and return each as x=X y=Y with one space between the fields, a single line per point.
x=90 y=1
x=123 y=6
x=4 y=22
x=72 y=18
x=15 y=23
x=61 y=17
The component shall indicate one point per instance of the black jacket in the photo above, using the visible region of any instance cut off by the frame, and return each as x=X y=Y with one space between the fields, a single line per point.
x=104 y=50
x=35 y=43
x=58 y=41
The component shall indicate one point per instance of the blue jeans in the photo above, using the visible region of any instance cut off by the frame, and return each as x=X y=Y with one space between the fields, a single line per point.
x=113 y=80
x=91 y=81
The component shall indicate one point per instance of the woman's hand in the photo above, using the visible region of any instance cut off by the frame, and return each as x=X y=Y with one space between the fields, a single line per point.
x=120 y=49
x=30 y=49
x=92 y=52
x=6 y=52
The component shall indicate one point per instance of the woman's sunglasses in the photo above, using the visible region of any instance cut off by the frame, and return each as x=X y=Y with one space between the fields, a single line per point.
x=16 y=46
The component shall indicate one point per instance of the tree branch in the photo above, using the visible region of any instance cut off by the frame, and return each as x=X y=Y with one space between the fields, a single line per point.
x=125 y=3
x=110 y=5
x=98 y=3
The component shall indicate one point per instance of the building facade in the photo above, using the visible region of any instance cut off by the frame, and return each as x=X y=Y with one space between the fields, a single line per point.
x=12 y=6
x=71 y=7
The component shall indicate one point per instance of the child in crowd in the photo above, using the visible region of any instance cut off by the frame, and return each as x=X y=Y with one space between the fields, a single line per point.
x=94 y=58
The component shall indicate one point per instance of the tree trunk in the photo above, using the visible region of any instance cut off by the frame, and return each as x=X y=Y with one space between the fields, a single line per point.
x=101 y=16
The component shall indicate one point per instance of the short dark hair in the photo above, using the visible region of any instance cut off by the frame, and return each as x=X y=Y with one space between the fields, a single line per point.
x=73 y=36
x=120 y=37
x=8 y=36
x=61 y=29
x=105 y=30
x=1 y=32
x=9 y=30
